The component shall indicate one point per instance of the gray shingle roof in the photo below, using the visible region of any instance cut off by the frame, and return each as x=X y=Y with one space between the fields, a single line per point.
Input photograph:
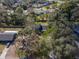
x=5 y=36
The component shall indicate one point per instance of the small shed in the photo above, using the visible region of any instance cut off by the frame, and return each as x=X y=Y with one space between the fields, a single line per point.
x=7 y=36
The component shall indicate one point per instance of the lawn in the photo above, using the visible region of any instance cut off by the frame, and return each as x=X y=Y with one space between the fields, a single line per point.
x=10 y=29
x=2 y=46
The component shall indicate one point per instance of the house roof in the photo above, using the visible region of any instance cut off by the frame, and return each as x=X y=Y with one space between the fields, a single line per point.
x=7 y=36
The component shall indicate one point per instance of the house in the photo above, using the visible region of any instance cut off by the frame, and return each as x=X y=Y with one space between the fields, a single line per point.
x=7 y=36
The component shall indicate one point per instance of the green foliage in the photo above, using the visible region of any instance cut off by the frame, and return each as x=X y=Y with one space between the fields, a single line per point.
x=13 y=19
x=19 y=10
x=62 y=39
x=58 y=37
x=21 y=53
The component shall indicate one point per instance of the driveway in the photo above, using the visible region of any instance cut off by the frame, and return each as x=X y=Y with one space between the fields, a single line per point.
x=11 y=53
x=2 y=56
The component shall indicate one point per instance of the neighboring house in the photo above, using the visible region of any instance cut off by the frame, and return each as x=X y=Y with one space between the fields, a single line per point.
x=41 y=27
x=7 y=36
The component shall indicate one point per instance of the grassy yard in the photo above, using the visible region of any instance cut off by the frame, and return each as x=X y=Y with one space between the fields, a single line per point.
x=2 y=46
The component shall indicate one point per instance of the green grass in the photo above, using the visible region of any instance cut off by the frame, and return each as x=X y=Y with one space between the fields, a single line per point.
x=1 y=48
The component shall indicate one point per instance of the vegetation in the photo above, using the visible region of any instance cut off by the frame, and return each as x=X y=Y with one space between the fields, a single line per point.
x=2 y=47
x=56 y=42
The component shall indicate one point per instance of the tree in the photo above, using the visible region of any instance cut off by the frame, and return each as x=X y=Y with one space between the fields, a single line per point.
x=59 y=39
x=18 y=17
x=63 y=38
